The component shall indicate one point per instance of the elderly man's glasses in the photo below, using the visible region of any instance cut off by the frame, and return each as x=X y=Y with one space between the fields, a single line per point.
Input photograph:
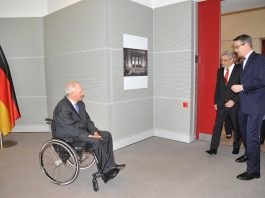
x=237 y=46
x=225 y=60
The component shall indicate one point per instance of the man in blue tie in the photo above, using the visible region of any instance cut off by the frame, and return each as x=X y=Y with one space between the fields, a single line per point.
x=72 y=123
x=252 y=106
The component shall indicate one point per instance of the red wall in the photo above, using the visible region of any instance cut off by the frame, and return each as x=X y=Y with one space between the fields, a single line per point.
x=208 y=62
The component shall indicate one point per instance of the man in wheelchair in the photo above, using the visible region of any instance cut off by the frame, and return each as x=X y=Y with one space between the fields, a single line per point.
x=72 y=123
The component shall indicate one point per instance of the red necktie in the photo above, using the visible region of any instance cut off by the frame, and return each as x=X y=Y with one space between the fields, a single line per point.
x=226 y=76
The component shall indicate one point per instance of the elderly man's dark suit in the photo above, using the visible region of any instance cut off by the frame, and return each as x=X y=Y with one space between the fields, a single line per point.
x=223 y=93
x=252 y=108
x=73 y=126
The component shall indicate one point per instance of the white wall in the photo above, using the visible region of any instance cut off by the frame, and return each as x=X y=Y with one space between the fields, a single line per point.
x=54 y=5
x=23 y=8
x=40 y=8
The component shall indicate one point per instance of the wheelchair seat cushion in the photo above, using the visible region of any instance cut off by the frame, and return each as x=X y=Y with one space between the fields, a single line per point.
x=80 y=146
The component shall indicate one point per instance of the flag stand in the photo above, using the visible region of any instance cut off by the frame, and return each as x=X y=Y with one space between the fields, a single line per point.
x=7 y=143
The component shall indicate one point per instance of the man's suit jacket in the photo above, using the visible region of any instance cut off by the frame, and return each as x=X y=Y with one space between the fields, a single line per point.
x=69 y=123
x=252 y=99
x=223 y=92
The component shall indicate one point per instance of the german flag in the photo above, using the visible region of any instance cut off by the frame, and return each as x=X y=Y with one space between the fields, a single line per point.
x=9 y=111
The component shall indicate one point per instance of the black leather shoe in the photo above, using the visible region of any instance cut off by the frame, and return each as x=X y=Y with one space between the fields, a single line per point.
x=228 y=136
x=105 y=178
x=120 y=166
x=242 y=158
x=248 y=176
x=113 y=172
x=235 y=151
x=211 y=151
x=110 y=174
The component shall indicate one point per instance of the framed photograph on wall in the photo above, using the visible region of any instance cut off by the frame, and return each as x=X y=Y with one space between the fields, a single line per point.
x=135 y=62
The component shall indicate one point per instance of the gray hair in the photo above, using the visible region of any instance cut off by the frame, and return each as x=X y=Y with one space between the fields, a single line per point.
x=227 y=53
x=70 y=86
x=244 y=39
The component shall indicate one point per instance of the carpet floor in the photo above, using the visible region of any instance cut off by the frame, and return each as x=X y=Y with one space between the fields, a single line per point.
x=155 y=168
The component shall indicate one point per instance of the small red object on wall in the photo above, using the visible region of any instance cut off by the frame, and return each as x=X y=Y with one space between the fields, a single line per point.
x=185 y=105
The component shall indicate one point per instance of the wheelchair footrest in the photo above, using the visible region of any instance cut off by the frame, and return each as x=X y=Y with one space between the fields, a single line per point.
x=97 y=175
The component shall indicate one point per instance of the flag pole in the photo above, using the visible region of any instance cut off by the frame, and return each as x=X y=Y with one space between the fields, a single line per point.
x=1 y=141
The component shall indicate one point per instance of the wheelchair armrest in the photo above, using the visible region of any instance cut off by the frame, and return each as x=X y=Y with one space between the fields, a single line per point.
x=48 y=120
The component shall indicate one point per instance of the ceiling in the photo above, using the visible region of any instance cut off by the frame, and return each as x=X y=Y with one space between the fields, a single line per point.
x=239 y=5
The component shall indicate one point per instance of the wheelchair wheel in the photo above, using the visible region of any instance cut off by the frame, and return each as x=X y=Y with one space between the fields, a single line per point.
x=86 y=160
x=59 y=162
x=95 y=184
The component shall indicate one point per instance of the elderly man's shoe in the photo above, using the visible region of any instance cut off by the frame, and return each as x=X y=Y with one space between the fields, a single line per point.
x=242 y=158
x=248 y=176
x=261 y=141
x=120 y=166
x=105 y=178
x=235 y=151
x=211 y=151
x=110 y=174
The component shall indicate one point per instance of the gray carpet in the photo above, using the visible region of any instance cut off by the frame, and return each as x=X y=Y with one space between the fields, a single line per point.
x=156 y=167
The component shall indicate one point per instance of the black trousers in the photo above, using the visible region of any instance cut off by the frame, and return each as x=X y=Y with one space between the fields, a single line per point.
x=228 y=126
x=103 y=150
x=262 y=131
x=221 y=115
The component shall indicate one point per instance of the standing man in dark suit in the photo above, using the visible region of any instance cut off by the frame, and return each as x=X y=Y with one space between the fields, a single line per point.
x=251 y=91
x=72 y=123
x=226 y=102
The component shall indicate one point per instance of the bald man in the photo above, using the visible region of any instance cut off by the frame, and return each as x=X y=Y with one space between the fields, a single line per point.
x=72 y=123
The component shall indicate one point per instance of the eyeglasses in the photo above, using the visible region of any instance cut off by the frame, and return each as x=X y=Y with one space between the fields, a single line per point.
x=237 y=46
x=225 y=60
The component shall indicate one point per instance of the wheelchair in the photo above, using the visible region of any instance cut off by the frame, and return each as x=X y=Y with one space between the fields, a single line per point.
x=61 y=161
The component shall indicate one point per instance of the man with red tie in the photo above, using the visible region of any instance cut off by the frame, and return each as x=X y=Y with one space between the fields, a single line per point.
x=251 y=91
x=226 y=102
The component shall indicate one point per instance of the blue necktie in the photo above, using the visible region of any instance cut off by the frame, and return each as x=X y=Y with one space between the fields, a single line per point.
x=76 y=107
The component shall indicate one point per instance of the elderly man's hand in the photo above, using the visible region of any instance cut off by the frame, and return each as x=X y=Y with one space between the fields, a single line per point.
x=237 y=88
x=215 y=107
x=95 y=135
x=229 y=103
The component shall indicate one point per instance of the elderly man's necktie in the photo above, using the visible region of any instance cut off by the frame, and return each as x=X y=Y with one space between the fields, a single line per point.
x=76 y=107
x=226 y=75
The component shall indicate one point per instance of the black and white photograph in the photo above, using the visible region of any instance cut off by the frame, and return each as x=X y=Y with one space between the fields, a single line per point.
x=135 y=62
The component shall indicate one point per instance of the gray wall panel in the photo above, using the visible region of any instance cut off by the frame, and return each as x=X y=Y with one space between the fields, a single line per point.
x=173 y=27
x=100 y=114
x=90 y=69
x=51 y=103
x=79 y=27
x=22 y=42
x=33 y=111
x=174 y=67
x=131 y=118
x=170 y=115
x=22 y=37
x=28 y=76
x=172 y=74
x=130 y=18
